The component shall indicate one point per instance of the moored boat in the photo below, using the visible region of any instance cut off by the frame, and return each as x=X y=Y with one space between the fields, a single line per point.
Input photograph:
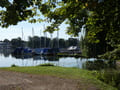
x=45 y=51
x=21 y=50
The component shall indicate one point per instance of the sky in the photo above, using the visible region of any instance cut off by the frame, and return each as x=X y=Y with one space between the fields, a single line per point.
x=16 y=31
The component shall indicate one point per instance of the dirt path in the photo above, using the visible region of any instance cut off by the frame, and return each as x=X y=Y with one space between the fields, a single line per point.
x=19 y=81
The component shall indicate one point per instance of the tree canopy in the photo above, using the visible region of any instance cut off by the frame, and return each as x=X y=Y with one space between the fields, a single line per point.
x=100 y=17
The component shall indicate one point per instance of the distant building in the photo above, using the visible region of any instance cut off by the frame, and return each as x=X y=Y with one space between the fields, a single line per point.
x=5 y=45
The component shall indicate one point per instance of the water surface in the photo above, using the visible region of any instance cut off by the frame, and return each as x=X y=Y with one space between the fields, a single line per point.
x=7 y=59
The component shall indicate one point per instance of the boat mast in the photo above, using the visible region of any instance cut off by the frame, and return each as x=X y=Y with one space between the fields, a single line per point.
x=33 y=37
x=44 y=37
x=22 y=33
x=22 y=36
x=40 y=38
x=51 y=40
x=58 y=38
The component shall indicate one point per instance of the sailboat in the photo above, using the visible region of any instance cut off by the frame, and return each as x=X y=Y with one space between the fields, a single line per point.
x=36 y=51
x=45 y=50
x=22 y=50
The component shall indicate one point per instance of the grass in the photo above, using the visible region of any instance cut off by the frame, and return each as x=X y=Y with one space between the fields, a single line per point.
x=86 y=77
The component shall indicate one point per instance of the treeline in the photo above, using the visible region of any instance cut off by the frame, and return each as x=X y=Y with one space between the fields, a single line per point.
x=42 y=42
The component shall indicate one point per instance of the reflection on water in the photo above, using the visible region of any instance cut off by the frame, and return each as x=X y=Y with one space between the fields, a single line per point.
x=99 y=64
x=95 y=65
x=7 y=59
x=5 y=52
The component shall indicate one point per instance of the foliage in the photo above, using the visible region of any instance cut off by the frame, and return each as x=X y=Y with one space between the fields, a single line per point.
x=69 y=55
x=46 y=64
x=112 y=55
x=99 y=64
x=41 y=42
x=111 y=77
x=13 y=65
x=17 y=42
x=91 y=49
x=62 y=43
x=12 y=12
x=100 y=17
x=95 y=65
x=38 y=42
x=72 y=42
x=6 y=41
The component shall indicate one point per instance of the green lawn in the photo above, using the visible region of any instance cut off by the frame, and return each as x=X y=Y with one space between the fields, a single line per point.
x=87 y=77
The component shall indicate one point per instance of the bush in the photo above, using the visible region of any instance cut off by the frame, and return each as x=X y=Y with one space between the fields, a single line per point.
x=46 y=64
x=112 y=55
x=13 y=65
x=95 y=65
x=111 y=77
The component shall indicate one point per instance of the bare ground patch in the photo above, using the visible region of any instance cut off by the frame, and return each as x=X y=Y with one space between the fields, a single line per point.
x=19 y=81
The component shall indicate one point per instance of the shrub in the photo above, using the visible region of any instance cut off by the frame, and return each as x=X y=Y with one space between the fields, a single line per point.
x=46 y=64
x=112 y=55
x=95 y=65
x=111 y=77
x=13 y=65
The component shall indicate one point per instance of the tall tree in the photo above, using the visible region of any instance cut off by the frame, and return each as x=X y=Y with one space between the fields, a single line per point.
x=17 y=42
